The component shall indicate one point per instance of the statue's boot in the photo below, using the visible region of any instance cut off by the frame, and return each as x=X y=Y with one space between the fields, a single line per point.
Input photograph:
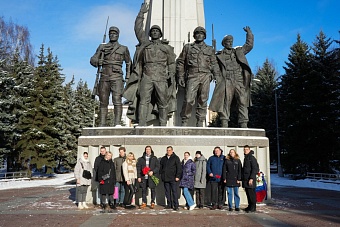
x=243 y=125
x=118 y=111
x=184 y=122
x=224 y=123
x=143 y=114
x=199 y=123
x=162 y=114
x=103 y=116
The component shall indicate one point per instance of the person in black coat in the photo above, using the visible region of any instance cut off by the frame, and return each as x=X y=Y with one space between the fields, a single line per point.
x=171 y=171
x=249 y=171
x=232 y=176
x=95 y=182
x=148 y=160
x=107 y=180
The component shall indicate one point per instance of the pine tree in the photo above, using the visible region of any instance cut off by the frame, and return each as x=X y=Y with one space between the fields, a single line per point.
x=262 y=114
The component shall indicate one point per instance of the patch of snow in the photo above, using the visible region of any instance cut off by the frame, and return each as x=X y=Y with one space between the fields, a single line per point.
x=306 y=183
x=58 y=180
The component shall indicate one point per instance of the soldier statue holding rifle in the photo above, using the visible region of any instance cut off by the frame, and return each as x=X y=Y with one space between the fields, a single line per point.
x=109 y=59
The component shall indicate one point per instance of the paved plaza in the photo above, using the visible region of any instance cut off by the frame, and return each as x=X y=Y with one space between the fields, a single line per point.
x=54 y=206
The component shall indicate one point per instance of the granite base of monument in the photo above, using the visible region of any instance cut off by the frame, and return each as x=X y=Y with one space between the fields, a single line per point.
x=182 y=139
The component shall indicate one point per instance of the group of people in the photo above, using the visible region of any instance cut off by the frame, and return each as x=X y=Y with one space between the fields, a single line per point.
x=154 y=74
x=119 y=176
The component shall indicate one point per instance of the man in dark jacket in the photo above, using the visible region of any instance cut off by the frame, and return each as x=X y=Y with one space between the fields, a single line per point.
x=95 y=181
x=250 y=169
x=214 y=171
x=148 y=160
x=171 y=171
x=120 y=183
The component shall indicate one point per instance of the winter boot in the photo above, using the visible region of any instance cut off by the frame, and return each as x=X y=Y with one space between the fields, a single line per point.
x=103 y=116
x=85 y=206
x=80 y=206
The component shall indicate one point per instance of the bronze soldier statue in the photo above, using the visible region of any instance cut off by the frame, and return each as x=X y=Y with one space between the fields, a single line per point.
x=153 y=69
x=234 y=81
x=111 y=79
x=196 y=68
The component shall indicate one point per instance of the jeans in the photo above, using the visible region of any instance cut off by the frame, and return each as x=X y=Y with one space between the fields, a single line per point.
x=233 y=191
x=188 y=197
x=121 y=192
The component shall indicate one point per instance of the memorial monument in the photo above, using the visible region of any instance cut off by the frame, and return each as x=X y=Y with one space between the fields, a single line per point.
x=176 y=19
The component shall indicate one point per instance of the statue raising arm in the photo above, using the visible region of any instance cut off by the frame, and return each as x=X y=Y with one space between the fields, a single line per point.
x=248 y=46
x=139 y=24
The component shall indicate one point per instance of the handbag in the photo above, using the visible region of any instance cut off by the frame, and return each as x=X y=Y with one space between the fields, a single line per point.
x=116 y=192
x=86 y=173
x=135 y=188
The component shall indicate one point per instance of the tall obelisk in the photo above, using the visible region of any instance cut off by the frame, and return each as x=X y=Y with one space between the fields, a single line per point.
x=178 y=19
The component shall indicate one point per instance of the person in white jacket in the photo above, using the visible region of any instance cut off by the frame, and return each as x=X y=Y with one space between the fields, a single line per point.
x=130 y=175
x=82 y=182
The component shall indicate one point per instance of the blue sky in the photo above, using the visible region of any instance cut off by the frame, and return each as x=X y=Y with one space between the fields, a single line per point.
x=73 y=29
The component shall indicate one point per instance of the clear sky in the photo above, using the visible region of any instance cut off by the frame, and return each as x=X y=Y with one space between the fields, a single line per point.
x=73 y=29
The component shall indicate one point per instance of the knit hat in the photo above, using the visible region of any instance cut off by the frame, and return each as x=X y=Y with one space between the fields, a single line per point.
x=199 y=152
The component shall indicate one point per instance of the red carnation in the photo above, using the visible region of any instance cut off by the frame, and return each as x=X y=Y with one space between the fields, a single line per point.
x=101 y=182
x=146 y=170
x=217 y=176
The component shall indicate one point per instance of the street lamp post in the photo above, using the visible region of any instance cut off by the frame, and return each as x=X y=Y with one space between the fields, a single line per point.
x=279 y=167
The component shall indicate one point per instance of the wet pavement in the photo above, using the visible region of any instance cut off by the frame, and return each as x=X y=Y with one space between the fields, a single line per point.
x=55 y=206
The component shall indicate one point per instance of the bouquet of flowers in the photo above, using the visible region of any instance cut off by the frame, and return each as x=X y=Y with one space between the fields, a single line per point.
x=146 y=171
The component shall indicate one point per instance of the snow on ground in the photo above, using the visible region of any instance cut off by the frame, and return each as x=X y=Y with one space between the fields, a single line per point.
x=61 y=179
x=58 y=180
x=306 y=183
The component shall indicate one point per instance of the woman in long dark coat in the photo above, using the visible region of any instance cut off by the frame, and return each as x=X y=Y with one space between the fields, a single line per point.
x=187 y=180
x=232 y=176
x=107 y=180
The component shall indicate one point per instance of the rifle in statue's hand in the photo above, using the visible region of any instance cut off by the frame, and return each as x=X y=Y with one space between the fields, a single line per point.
x=100 y=66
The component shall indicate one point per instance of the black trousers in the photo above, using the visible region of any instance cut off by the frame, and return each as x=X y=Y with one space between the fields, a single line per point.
x=200 y=196
x=145 y=186
x=129 y=194
x=251 y=197
x=103 y=199
x=171 y=193
x=217 y=189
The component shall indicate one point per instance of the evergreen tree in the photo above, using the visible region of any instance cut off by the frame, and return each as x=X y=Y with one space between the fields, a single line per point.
x=7 y=105
x=39 y=140
x=262 y=113
x=293 y=111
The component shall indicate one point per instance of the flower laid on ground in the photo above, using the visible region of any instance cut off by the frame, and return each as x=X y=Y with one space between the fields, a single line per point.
x=146 y=170
x=101 y=182
x=259 y=179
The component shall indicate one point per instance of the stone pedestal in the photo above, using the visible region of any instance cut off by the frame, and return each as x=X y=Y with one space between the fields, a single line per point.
x=182 y=139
